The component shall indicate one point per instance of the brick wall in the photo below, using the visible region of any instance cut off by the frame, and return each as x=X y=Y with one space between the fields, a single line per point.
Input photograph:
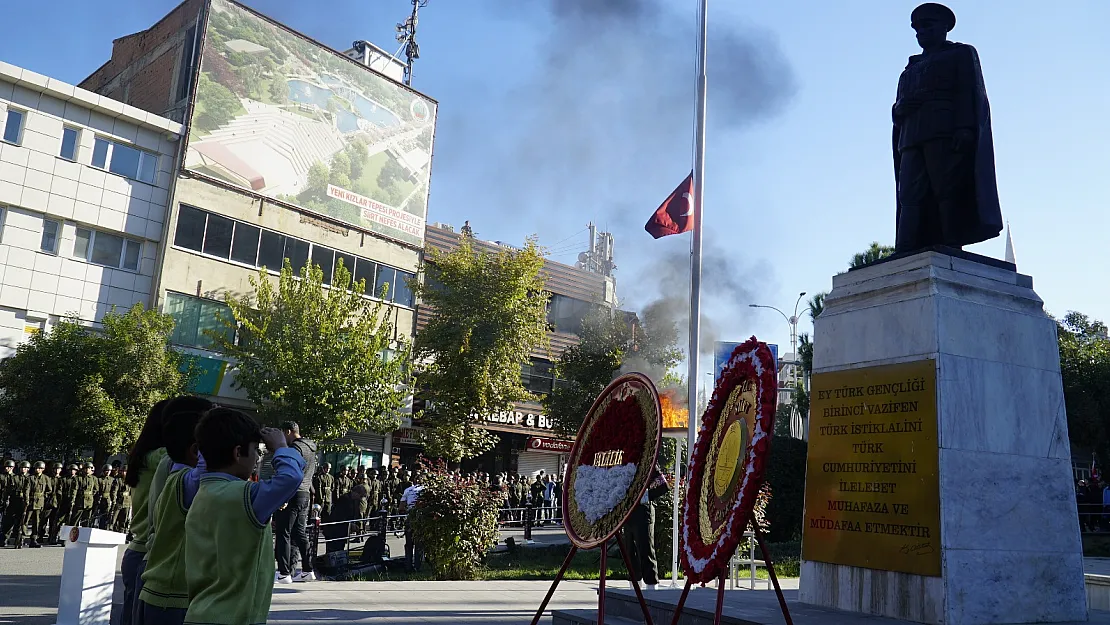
x=143 y=68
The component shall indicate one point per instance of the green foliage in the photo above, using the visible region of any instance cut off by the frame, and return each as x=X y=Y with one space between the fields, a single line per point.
x=1085 y=367
x=72 y=388
x=815 y=305
x=874 y=253
x=456 y=521
x=608 y=343
x=782 y=419
x=805 y=354
x=801 y=398
x=490 y=316
x=340 y=170
x=326 y=358
x=279 y=90
x=786 y=473
x=317 y=179
x=218 y=102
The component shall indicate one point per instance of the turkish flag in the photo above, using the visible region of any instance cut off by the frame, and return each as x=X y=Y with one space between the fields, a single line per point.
x=676 y=214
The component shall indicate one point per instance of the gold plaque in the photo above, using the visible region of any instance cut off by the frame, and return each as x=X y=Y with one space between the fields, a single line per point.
x=872 y=492
x=728 y=458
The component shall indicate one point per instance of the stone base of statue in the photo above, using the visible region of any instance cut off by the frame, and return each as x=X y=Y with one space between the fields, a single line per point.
x=939 y=484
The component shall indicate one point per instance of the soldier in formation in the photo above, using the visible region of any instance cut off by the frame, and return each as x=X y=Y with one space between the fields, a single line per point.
x=324 y=487
x=15 y=505
x=86 y=492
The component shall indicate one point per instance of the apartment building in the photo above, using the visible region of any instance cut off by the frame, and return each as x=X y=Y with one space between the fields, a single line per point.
x=84 y=186
x=294 y=152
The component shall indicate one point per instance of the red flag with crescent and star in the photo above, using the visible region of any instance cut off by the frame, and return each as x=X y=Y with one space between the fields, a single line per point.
x=676 y=214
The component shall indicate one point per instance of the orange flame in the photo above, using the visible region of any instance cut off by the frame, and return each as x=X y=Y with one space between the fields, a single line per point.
x=675 y=415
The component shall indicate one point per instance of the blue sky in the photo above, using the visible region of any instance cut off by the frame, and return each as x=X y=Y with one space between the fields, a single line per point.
x=553 y=118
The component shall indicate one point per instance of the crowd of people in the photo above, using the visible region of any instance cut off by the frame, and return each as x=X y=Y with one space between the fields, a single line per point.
x=1092 y=498
x=35 y=502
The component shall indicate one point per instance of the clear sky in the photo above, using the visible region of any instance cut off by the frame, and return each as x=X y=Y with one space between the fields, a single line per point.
x=554 y=113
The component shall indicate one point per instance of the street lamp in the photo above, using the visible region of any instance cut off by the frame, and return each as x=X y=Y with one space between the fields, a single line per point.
x=792 y=321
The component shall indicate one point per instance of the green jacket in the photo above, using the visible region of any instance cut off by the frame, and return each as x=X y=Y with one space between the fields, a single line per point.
x=86 y=488
x=36 y=490
x=107 y=491
x=17 y=489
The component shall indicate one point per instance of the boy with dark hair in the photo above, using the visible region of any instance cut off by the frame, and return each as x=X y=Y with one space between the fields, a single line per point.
x=228 y=540
x=164 y=595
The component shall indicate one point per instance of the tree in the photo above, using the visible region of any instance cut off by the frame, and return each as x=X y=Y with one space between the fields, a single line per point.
x=782 y=419
x=816 y=305
x=872 y=254
x=390 y=174
x=72 y=388
x=317 y=184
x=356 y=152
x=279 y=90
x=326 y=358
x=607 y=342
x=218 y=102
x=490 y=316
x=340 y=170
x=1085 y=368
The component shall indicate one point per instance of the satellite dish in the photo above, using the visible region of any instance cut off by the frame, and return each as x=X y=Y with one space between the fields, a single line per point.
x=583 y=257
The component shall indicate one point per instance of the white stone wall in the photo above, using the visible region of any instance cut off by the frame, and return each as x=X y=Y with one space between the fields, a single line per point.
x=36 y=184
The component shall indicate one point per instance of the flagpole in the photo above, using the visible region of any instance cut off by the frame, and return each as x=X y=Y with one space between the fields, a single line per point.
x=695 y=252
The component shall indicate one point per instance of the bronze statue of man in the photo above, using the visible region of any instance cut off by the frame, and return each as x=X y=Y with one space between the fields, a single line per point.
x=943 y=148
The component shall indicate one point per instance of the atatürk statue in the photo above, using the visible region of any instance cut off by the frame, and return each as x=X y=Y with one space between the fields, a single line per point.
x=943 y=149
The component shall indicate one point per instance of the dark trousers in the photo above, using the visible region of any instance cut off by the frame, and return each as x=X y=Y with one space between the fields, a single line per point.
x=131 y=570
x=12 y=529
x=640 y=540
x=32 y=520
x=293 y=534
x=154 y=615
x=81 y=517
x=414 y=551
x=934 y=184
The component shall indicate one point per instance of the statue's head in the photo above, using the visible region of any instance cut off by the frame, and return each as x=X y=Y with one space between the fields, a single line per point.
x=932 y=22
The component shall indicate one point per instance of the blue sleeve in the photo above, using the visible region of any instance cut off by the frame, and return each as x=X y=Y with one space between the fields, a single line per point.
x=269 y=495
x=191 y=482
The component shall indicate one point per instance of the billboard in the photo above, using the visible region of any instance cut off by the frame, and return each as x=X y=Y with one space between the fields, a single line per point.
x=722 y=351
x=280 y=115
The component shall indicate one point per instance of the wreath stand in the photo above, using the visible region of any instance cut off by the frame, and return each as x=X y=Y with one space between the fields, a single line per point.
x=721 y=585
x=601 y=582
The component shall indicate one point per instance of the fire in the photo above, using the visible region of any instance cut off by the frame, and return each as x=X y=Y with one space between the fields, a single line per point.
x=675 y=416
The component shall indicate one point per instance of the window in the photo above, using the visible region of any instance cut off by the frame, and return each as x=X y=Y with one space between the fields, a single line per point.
x=386 y=277
x=217 y=236
x=325 y=258
x=364 y=270
x=185 y=72
x=195 y=319
x=271 y=251
x=50 y=229
x=124 y=160
x=538 y=376
x=69 y=144
x=567 y=313
x=13 y=127
x=244 y=244
x=248 y=244
x=402 y=294
x=107 y=249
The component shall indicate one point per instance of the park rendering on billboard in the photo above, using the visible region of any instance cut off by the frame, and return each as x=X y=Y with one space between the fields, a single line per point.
x=284 y=117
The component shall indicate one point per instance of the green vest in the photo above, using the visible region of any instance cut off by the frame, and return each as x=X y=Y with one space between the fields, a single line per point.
x=233 y=587
x=164 y=578
x=140 y=502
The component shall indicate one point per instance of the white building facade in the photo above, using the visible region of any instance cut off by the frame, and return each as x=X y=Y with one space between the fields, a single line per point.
x=84 y=186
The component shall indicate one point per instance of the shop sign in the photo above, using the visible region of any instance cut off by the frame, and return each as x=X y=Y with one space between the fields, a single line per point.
x=537 y=443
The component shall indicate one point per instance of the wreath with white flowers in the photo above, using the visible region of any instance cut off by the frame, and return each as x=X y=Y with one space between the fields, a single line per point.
x=612 y=460
x=727 y=465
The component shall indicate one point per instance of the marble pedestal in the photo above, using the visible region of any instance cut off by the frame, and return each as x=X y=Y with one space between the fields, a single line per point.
x=88 y=575
x=1010 y=544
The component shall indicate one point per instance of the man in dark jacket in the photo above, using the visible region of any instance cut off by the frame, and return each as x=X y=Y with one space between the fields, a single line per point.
x=290 y=522
x=639 y=532
x=347 y=508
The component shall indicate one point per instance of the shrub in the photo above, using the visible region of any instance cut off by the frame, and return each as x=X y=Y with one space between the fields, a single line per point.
x=456 y=522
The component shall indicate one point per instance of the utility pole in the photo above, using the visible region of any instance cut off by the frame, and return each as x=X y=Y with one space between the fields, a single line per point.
x=406 y=36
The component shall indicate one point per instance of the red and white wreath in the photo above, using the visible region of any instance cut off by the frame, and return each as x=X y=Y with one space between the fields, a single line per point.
x=707 y=546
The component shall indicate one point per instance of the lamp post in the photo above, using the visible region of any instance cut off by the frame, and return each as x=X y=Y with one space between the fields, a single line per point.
x=792 y=321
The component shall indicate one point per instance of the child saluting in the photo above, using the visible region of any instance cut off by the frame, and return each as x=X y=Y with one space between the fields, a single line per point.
x=228 y=542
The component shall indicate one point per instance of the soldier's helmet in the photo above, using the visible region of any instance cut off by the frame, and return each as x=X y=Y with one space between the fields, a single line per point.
x=9 y=463
x=40 y=465
x=89 y=465
x=106 y=467
x=26 y=464
x=56 y=465
x=72 y=467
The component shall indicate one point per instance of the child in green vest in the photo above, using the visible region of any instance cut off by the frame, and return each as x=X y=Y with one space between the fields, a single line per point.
x=164 y=596
x=230 y=516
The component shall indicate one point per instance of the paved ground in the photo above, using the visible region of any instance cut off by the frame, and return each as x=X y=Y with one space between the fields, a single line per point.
x=29 y=580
